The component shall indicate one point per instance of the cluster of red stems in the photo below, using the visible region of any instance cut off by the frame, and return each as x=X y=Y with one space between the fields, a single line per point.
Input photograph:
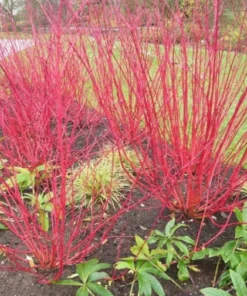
x=181 y=106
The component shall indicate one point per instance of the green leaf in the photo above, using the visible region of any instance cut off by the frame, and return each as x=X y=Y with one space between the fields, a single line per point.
x=169 y=226
x=186 y=239
x=67 y=283
x=99 y=290
x=170 y=253
x=158 y=272
x=48 y=206
x=227 y=250
x=242 y=268
x=244 y=213
x=3 y=227
x=141 y=247
x=96 y=276
x=214 y=252
x=182 y=247
x=85 y=268
x=155 y=285
x=175 y=228
x=125 y=265
x=144 y=284
x=83 y=291
x=100 y=266
x=238 y=214
x=200 y=254
x=44 y=220
x=183 y=273
x=238 y=283
x=214 y=292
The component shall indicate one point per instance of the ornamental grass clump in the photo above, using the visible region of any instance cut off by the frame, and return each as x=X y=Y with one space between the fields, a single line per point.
x=104 y=180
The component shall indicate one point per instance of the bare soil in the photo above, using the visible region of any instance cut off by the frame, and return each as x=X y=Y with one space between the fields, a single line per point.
x=138 y=221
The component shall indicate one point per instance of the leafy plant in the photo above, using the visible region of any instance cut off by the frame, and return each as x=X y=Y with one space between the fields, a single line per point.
x=238 y=283
x=90 y=273
x=145 y=266
x=177 y=248
x=42 y=203
x=233 y=253
x=27 y=177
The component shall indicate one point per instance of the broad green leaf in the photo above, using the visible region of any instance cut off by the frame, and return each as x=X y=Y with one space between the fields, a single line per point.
x=243 y=256
x=234 y=260
x=152 y=240
x=175 y=228
x=99 y=290
x=84 y=269
x=183 y=273
x=170 y=253
x=155 y=284
x=200 y=254
x=44 y=220
x=186 y=239
x=238 y=283
x=3 y=227
x=67 y=283
x=125 y=265
x=244 y=214
x=24 y=180
x=144 y=284
x=41 y=168
x=214 y=253
x=158 y=272
x=214 y=292
x=158 y=233
x=182 y=247
x=96 y=276
x=242 y=268
x=140 y=248
x=100 y=266
x=227 y=250
x=238 y=214
x=48 y=206
x=158 y=253
x=83 y=291
x=169 y=226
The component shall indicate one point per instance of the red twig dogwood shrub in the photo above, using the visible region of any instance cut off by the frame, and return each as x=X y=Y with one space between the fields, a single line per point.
x=182 y=106
x=48 y=126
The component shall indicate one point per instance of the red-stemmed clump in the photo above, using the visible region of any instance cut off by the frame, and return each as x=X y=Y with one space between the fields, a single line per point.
x=48 y=128
x=182 y=105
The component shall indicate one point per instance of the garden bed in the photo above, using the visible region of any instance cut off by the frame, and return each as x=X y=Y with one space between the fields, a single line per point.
x=134 y=222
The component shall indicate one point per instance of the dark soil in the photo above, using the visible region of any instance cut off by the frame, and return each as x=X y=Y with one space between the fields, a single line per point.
x=138 y=221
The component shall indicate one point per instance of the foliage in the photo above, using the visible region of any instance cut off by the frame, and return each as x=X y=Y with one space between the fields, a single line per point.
x=144 y=266
x=26 y=178
x=233 y=253
x=238 y=283
x=90 y=273
x=42 y=202
x=175 y=247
